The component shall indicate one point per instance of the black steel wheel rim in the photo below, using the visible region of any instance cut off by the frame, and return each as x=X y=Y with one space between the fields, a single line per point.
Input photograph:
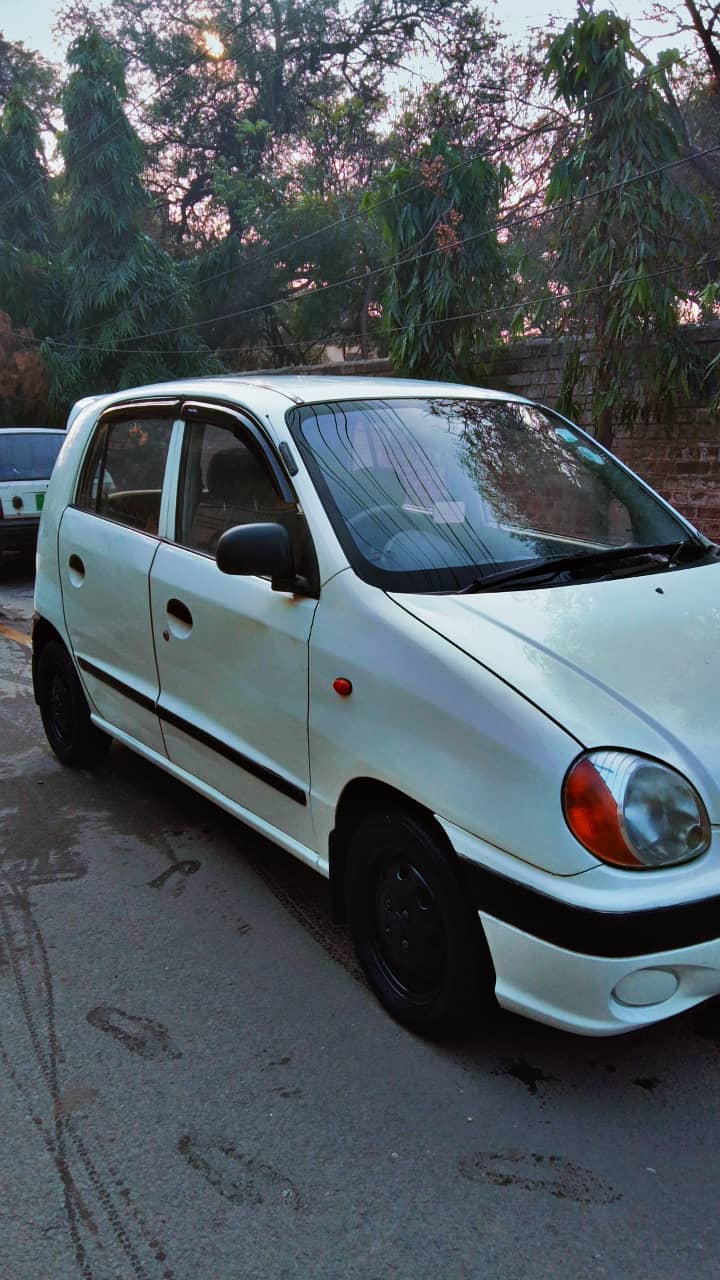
x=409 y=930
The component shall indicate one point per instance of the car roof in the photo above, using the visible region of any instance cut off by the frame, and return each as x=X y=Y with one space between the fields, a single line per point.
x=306 y=388
x=262 y=390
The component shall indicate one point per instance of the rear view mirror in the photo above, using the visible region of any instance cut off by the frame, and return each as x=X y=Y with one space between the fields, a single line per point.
x=261 y=550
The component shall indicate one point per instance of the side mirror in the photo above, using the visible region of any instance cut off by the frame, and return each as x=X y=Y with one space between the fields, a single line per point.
x=264 y=550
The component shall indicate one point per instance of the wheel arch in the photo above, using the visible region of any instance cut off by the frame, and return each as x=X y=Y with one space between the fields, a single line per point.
x=360 y=797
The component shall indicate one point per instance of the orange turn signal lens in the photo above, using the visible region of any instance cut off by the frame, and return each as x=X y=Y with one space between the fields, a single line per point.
x=592 y=815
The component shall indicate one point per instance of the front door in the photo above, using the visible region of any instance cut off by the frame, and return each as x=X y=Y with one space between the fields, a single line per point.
x=232 y=653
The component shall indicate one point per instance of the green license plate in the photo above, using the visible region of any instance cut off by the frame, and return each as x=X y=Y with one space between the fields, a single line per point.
x=39 y=500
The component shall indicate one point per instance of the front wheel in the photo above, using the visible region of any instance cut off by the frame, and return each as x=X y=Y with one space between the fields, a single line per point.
x=419 y=942
x=64 y=710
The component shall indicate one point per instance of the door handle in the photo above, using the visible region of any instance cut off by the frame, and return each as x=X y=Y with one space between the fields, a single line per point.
x=77 y=570
x=180 y=619
x=176 y=609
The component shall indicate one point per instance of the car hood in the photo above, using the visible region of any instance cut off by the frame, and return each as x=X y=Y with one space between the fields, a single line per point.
x=630 y=662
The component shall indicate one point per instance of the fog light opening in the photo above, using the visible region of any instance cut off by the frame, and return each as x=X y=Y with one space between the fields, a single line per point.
x=646 y=987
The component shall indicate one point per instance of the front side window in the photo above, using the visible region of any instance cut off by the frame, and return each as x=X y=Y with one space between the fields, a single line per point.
x=225 y=482
x=124 y=473
x=430 y=494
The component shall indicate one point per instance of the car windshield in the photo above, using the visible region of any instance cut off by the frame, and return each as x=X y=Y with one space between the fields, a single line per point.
x=432 y=494
x=28 y=455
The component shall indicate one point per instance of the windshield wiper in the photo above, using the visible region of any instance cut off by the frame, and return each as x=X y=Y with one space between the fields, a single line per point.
x=591 y=563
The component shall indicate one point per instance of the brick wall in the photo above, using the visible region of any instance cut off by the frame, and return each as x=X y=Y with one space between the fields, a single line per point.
x=678 y=452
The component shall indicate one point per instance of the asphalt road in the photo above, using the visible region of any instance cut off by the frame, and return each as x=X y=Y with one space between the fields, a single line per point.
x=196 y=1084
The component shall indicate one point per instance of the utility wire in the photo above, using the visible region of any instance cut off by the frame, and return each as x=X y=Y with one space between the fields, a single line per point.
x=408 y=261
x=521 y=304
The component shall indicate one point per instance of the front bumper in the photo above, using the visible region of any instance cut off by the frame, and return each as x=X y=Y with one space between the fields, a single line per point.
x=597 y=995
x=600 y=952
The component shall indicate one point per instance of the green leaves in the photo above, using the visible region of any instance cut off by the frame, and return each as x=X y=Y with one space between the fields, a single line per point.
x=118 y=284
x=26 y=220
x=622 y=253
x=444 y=259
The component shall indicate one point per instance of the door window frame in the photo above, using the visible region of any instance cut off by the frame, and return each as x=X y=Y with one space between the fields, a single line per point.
x=125 y=412
x=253 y=436
x=258 y=443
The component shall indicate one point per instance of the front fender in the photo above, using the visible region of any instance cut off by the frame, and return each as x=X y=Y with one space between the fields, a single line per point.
x=430 y=721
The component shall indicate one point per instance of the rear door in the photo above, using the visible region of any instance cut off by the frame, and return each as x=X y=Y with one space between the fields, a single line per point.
x=107 y=542
x=232 y=653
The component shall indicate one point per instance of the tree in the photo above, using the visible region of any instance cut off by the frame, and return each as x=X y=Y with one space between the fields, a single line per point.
x=26 y=222
x=306 y=235
x=696 y=106
x=263 y=130
x=127 y=307
x=275 y=63
x=20 y=68
x=622 y=252
x=265 y=143
x=27 y=87
x=704 y=18
x=438 y=220
x=472 y=97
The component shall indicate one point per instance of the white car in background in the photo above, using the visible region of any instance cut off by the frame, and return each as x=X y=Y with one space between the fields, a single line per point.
x=27 y=457
x=434 y=641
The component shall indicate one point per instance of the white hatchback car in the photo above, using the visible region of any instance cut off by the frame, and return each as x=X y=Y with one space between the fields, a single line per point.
x=434 y=641
x=27 y=457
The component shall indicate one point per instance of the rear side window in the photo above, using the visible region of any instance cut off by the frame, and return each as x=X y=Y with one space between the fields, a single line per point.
x=28 y=457
x=124 y=472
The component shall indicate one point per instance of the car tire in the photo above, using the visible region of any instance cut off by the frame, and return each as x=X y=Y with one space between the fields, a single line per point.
x=419 y=942
x=65 y=712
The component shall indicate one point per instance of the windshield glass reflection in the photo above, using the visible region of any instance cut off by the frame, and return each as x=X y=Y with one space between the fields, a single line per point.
x=427 y=494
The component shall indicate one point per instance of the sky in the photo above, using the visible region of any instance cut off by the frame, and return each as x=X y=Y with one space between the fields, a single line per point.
x=31 y=21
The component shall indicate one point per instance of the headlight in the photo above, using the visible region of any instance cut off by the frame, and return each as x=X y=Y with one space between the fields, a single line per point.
x=633 y=811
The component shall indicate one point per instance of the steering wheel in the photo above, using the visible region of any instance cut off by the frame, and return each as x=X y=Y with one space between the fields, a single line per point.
x=367 y=524
x=417 y=549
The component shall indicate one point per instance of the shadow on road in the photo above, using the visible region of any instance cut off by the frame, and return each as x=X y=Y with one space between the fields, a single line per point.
x=17 y=567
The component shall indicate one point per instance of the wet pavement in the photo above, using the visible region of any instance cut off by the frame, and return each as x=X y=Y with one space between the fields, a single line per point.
x=196 y=1084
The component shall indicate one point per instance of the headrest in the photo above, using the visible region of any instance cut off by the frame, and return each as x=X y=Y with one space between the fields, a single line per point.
x=234 y=475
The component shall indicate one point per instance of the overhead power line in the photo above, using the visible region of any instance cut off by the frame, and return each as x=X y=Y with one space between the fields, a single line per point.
x=523 y=303
x=518 y=305
x=553 y=210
